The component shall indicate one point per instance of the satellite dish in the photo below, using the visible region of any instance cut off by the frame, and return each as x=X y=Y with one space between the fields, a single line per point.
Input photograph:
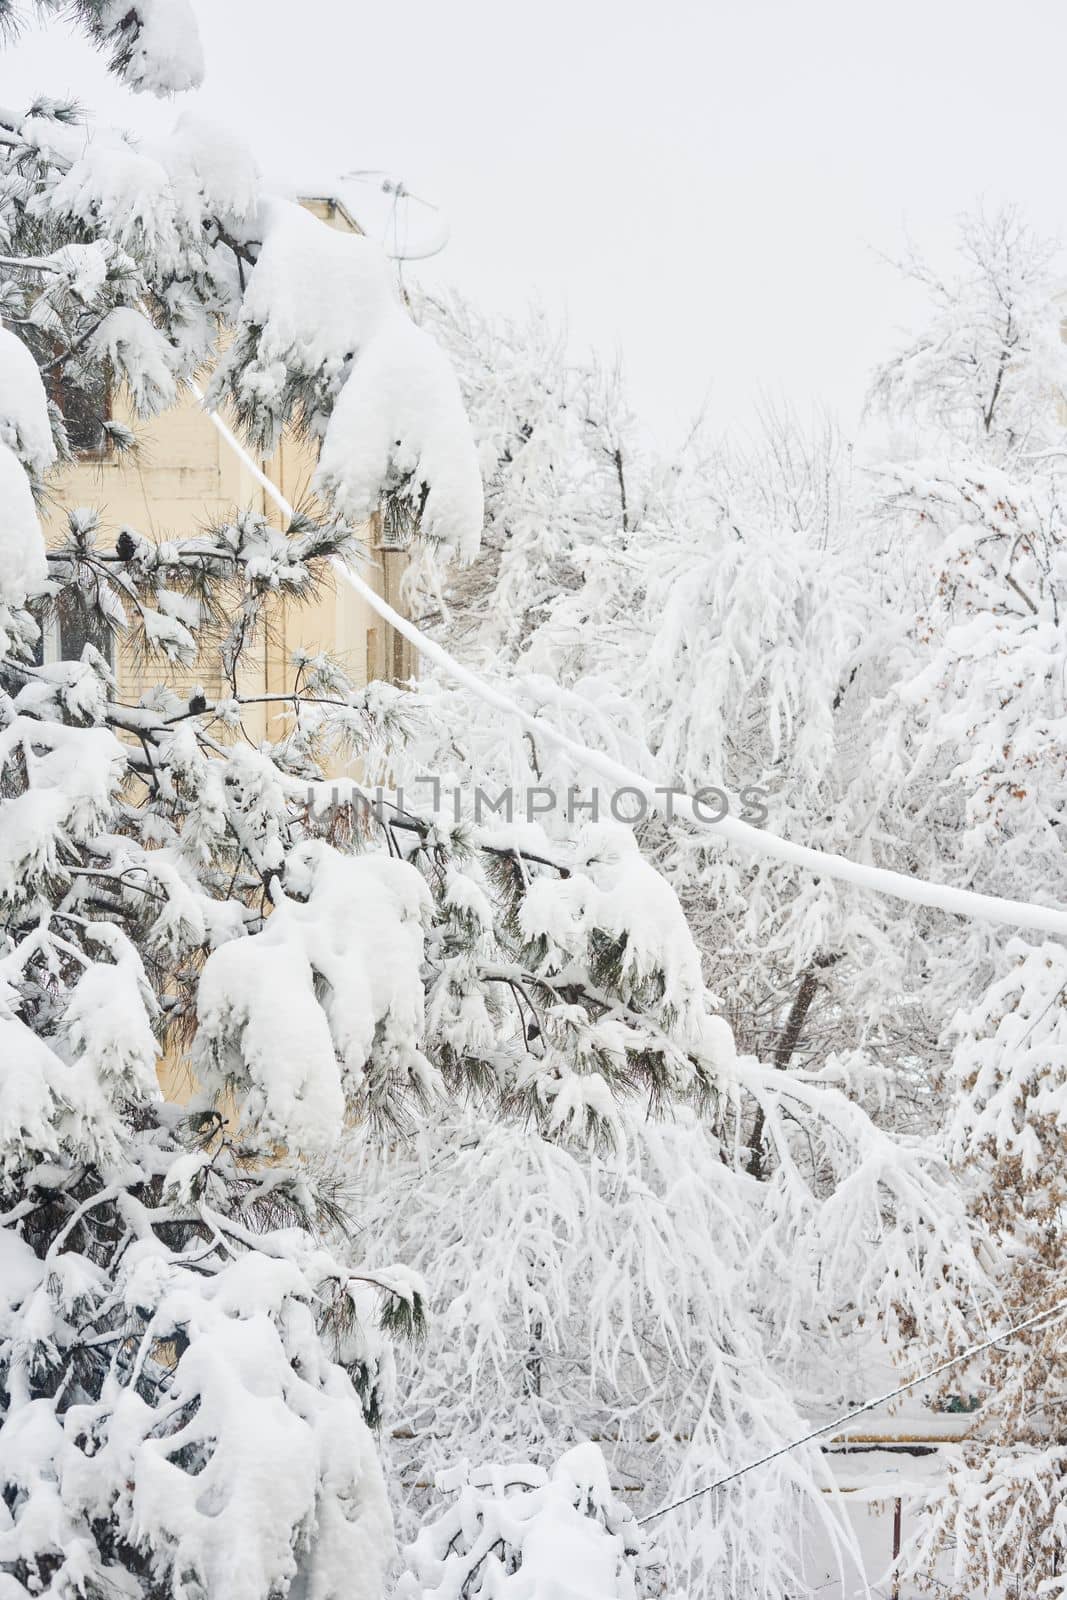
x=396 y=225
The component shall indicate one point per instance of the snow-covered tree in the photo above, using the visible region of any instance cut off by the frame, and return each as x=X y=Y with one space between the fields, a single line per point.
x=183 y=1367
x=655 y=1298
x=988 y=373
x=876 y=647
x=151 y=45
x=187 y=1366
x=969 y=507
x=1003 y=1518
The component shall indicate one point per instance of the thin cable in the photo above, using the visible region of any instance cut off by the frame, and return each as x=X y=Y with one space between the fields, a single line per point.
x=670 y=802
x=838 y=1423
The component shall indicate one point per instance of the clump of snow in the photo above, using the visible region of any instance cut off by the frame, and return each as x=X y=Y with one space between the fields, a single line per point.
x=80 y=690
x=519 y=1533
x=71 y=1093
x=108 y=179
x=184 y=608
x=140 y=356
x=468 y=902
x=106 y=1023
x=620 y=894
x=325 y=1002
x=223 y=168
x=24 y=423
x=27 y=1098
x=170 y=636
x=320 y=312
x=83 y=267
x=399 y=424
x=23 y=568
x=26 y=446
x=316 y=293
x=72 y=777
x=156 y=44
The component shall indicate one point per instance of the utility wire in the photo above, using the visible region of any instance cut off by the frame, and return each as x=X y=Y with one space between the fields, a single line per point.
x=877 y=880
x=1051 y=1314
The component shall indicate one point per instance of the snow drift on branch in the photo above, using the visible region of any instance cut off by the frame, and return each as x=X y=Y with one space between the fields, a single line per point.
x=322 y=338
x=25 y=443
x=223 y=169
x=24 y=424
x=618 y=895
x=517 y=1532
x=356 y=941
x=22 y=559
x=155 y=46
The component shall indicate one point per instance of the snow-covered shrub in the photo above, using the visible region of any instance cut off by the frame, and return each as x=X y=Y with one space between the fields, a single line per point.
x=521 y=1531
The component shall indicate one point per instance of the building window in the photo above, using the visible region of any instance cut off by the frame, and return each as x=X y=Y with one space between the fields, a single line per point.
x=70 y=628
x=78 y=625
x=85 y=408
x=392 y=529
x=84 y=400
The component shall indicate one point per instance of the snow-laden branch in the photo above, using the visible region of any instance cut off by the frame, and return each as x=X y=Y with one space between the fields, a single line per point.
x=664 y=800
x=667 y=801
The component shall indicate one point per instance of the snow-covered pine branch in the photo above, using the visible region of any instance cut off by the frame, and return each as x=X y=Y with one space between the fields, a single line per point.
x=153 y=46
x=128 y=258
x=322 y=344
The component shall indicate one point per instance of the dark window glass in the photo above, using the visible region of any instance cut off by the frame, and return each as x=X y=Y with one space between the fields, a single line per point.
x=79 y=624
x=85 y=410
x=85 y=401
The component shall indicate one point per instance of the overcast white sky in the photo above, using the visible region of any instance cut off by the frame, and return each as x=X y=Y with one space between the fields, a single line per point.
x=700 y=185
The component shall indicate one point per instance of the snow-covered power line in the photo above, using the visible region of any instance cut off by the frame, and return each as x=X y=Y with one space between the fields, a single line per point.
x=1047 y=1316
x=669 y=801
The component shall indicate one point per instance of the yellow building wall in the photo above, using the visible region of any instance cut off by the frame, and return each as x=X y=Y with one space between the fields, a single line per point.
x=184 y=476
